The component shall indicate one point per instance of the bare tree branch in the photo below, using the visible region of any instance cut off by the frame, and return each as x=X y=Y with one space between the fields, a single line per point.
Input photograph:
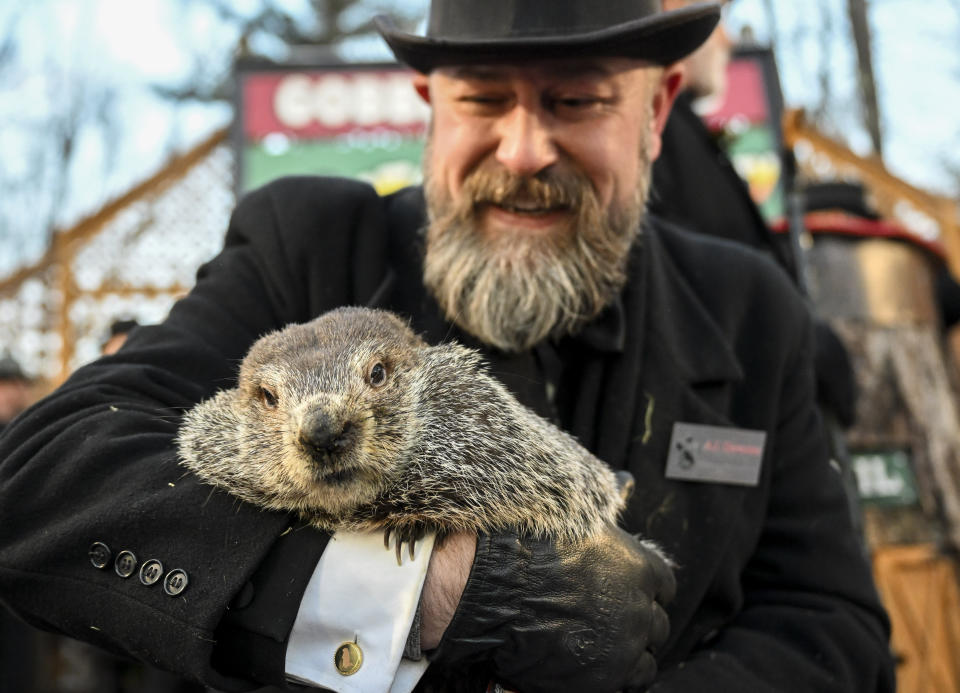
x=211 y=81
x=8 y=49
x=85 y=105
x=825 y=69
x=8 y=41
x=860 y=25
x=772 y=28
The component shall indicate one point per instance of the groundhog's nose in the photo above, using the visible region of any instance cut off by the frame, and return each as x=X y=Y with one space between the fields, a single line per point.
x=324 y=435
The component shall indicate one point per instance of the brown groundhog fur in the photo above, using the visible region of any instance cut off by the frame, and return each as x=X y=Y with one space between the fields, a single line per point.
x=356 y=423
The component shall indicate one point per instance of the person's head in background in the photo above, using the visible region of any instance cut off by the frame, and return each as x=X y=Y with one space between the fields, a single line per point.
x=706 y=68
x=15 y=393
x=119 y=331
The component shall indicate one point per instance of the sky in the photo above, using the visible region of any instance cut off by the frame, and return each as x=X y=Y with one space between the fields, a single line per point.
x=916 y=64
x=70 y=48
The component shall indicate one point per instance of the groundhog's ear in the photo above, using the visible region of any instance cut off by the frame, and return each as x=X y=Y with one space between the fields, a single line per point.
x=259 y=354
x=243 y=374
x=247 y=366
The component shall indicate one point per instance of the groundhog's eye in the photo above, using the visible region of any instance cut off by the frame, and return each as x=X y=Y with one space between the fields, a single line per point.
x=268 y=398
x=378 y=375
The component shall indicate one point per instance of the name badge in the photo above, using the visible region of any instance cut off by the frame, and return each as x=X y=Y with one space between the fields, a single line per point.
x=715 y=454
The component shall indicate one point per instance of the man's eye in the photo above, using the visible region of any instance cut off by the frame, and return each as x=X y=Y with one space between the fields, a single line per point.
x=576 y=103
x=579 y=103
x=482 y=102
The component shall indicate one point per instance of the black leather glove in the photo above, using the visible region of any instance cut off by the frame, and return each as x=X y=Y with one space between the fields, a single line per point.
x=578 y=617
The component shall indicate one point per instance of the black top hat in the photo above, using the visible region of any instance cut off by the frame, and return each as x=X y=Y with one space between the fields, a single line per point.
x=460 y=32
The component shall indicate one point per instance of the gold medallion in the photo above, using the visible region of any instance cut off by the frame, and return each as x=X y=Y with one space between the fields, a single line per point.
x=348 y=658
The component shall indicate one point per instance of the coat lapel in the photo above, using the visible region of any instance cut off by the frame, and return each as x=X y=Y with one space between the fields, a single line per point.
x=688 y=372
x=677 y=353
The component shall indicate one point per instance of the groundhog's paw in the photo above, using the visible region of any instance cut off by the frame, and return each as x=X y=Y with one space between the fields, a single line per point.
x=408 y=534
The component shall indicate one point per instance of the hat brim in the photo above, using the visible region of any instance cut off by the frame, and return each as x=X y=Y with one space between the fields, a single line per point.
x=662 y=38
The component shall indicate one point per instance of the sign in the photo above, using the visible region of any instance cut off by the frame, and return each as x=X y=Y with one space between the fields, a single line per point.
x=748 y=125
x=885 y=478
x=366 y=121
x=361 y=121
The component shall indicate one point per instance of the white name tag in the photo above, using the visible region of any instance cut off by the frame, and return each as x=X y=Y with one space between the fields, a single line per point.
x=715 y=454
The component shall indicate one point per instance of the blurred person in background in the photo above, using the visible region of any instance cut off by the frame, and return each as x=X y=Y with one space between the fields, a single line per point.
x=694 y=182
x=695 y=185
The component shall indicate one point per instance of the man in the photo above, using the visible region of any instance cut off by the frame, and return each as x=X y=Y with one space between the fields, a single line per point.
x=694 y=182
x=528 y=242
x=695 y=185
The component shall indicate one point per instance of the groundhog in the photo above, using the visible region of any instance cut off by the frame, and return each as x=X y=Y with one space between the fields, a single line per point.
x=354 y=422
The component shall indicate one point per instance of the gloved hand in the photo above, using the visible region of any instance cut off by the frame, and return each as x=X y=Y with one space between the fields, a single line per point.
x=574 y=617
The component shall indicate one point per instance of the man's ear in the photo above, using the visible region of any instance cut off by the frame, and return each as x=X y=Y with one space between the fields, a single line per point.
x=665 y=92
x=421 y=83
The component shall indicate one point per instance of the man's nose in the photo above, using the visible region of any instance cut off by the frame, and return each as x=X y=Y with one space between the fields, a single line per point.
x=526 y=144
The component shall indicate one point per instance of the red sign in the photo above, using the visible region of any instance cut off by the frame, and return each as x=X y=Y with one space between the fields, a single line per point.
x=307 y=104
x=746 y=97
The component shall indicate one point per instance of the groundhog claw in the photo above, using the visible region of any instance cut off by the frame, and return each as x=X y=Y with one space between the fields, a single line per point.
x=407 y=535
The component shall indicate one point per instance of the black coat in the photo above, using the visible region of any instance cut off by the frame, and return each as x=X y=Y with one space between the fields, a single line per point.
x=696 y=186
x=773 y=592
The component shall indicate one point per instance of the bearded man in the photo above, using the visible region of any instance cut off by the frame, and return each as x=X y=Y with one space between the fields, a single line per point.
x=529 y=241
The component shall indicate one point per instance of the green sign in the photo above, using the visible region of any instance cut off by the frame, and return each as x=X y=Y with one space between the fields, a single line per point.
x=885 y=478
x=387 y=168
x=360 y=121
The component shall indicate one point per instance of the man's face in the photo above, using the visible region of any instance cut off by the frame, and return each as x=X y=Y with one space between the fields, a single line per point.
x=536 y=179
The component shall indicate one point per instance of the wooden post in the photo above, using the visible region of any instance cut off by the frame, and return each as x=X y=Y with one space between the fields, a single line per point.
x=919 y=589
x=68 y=291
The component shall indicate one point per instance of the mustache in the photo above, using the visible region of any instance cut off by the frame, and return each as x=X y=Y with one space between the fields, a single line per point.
x=552 y=189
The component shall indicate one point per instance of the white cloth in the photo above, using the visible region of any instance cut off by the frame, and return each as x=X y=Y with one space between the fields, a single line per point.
x=359 y=593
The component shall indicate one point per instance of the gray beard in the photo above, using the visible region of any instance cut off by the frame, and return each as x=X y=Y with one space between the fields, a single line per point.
x=514 y=292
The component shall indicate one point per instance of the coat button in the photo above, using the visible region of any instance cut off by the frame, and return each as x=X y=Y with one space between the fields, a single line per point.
x=99 y=554
x=150 y=572
x=348 y=658
x=175 y=582
x=126 y=564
